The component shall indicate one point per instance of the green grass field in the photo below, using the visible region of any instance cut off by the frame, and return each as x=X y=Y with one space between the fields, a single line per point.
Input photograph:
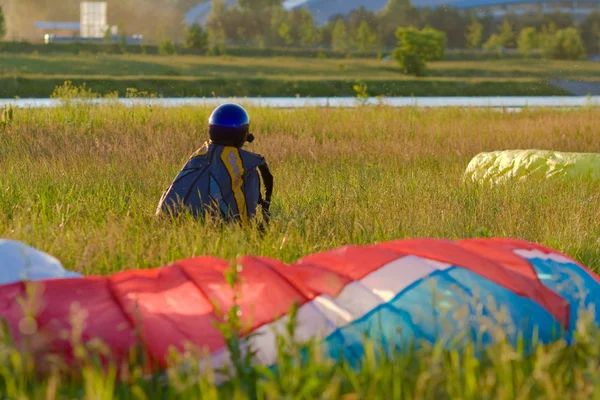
x=37 y=75
x=82 y=183
x=122 y=66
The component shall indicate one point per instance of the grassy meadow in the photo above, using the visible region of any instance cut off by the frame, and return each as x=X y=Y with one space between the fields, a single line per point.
x=30 y=75
x=83 y=183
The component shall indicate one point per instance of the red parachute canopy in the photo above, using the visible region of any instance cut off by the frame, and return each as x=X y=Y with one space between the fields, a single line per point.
x=170 y=306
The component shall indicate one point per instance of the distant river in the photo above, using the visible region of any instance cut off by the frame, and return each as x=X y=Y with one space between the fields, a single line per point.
x=294 y=102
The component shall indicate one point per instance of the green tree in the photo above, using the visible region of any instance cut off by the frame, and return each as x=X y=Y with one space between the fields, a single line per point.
x=279 y=24
x=550 y=28
x=258 y=5
x=284 y=32
x=449 y=20
x=215 y=26
x=507 y=35
x=397 y=13
x=538 y=19
x=303 y=29
x=326 y=32
x=565 y=44
x=415 y=48
x=365 y=38
x=307 y=31
x=494 y=42
x=339 y=36
x=527 y=41
x=196 y=37
x=501 y=40
x=2 y=24
x=166 y=47
x=436 y=41
x=559 y=19
x=251 y=22
x=590 y=32
x=357 y=16
x=474 y=35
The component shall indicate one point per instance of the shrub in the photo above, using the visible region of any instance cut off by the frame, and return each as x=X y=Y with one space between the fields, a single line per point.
x=565 y=44
x=501 y=40
x=528 y=40
x=167 y=47
x=494 y=42
x=416 y=47
x=196 y=37
x=590 y=32
x=474 y=35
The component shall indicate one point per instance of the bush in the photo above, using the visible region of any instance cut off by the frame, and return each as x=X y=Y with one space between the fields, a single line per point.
x=528 y=40
x=565 y=44
x=494 y=42
x=196 y=37
x=590 y=32
x=416 y=47
x=167 y=48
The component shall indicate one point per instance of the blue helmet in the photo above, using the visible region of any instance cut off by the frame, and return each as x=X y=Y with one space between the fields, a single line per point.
x=229 y=125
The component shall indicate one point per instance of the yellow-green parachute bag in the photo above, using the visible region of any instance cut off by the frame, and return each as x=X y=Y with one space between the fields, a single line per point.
x=509 y=165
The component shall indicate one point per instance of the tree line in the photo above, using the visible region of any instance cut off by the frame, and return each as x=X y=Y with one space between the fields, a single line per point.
x=2 y=24
x=265 y=23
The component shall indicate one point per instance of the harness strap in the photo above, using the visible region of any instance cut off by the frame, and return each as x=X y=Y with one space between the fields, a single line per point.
x=267 y=179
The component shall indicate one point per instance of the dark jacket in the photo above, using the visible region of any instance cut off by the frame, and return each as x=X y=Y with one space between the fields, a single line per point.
x=220 y=180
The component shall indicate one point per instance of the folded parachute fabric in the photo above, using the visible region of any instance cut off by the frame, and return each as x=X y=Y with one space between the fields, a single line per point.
x=502 y=166
x=396 y=293
x=19 y=262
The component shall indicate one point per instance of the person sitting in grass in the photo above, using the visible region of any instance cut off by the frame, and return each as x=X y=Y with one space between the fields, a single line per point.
x=220 y=179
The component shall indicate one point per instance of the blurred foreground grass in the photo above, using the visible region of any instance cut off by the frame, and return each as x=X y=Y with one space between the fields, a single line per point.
x=502 y=371
x=83 y=182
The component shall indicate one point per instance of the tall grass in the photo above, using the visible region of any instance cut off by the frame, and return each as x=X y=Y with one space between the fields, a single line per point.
x=285 y=68
x=83 y=182
x=37 y=75
x=43 y=87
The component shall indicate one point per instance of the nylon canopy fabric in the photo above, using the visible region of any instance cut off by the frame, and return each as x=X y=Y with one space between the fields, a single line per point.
x=21 y=262
x=221 y=179
x=394 y=292
x=502 y=166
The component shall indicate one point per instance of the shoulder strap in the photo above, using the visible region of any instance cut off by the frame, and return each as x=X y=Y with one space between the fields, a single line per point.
x=267 y=179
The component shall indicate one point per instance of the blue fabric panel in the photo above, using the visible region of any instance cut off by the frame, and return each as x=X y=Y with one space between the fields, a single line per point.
x=443 y=306
x=524 y=317
x=387 y=327
x=572 y=283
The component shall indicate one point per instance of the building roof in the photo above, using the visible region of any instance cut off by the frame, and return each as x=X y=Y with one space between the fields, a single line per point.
x=70 y=26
